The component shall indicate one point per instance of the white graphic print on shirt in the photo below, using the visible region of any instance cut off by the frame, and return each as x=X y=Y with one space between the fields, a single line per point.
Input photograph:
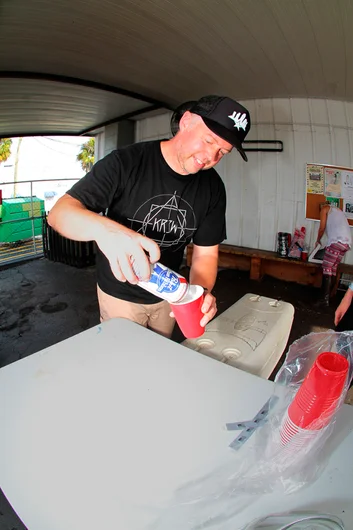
x=167 y=219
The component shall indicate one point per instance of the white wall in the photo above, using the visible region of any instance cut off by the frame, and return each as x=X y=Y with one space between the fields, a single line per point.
x=110 y=138
x=267 y=194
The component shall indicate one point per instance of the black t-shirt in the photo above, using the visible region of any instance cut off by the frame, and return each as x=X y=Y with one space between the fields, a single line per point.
x=135 y=187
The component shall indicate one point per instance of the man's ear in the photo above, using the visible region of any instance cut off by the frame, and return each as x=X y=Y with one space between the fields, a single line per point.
x=185 y=120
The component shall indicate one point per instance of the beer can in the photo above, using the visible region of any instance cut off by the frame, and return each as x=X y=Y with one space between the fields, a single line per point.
x=283 y=243
x=165 y=283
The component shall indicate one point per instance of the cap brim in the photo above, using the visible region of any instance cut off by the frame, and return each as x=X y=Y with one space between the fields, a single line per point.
x=227 y=135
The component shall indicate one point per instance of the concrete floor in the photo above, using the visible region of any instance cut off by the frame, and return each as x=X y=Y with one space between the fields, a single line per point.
x=42 y=303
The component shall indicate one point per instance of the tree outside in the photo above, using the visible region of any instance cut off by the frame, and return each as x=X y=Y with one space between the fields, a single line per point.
x=5 y=152
x=86 y=155
x=15 y=176
x=5 y=149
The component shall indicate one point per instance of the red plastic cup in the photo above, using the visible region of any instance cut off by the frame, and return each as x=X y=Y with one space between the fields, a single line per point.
x=317 y=398
x=294 y=435
x=188 y=312
x=304 y=255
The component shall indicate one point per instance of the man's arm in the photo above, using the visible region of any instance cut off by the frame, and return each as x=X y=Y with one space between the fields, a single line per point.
x=204 y=266
x=73 y=220
x=323 y=221
x=203 y=271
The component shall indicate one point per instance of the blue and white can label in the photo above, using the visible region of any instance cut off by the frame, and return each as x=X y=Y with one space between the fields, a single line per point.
x=165 y=283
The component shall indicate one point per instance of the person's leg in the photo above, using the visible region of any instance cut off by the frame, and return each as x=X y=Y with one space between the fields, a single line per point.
x=159 y=319
x=337 y=251
x=328 y=262
x=111 y=307
x=332 y=257
x=326 y=288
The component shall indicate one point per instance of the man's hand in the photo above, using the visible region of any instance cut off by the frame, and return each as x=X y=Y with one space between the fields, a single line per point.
x=124 y=247
x=209 y=308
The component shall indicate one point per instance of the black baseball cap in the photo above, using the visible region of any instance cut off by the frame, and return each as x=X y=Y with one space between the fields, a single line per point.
x=225 y=117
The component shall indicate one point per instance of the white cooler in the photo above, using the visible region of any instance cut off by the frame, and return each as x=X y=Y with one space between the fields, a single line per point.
x=250 y=335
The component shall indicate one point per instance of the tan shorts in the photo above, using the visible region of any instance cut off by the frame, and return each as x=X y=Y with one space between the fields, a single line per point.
x=153 y=316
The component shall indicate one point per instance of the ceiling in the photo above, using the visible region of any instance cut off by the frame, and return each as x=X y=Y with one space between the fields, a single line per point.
x=71 y=66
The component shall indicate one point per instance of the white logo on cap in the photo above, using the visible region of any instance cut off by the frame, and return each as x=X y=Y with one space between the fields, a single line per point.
x=240 y=121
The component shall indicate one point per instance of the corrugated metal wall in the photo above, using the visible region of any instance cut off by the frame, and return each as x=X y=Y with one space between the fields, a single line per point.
x=266 y=195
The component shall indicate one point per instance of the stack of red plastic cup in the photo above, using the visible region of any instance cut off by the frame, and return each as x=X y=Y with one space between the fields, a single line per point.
x=316 y=400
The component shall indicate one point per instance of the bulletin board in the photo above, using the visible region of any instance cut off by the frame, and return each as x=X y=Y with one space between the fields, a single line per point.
x=328 y=183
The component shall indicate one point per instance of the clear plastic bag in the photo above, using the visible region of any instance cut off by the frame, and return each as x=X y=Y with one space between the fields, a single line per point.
x=297 y=521
x=263 y=464
x=287 y=468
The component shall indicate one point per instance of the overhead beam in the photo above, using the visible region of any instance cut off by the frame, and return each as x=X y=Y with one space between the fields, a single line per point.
x=42 y=133
x=82 y=82
x=126 y=116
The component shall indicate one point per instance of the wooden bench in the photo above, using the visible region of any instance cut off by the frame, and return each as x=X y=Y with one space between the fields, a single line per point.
x=262 y=262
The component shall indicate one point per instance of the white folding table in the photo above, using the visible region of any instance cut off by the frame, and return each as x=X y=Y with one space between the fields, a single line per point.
x=100 y=431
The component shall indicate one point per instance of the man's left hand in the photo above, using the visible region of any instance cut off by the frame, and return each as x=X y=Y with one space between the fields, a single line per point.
x=209 y=308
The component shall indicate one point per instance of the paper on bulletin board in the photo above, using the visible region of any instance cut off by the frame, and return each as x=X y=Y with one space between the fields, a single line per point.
x=333 y=200
x=348 y=208
x=347 y=184
x=333 y=183
x=314 y=178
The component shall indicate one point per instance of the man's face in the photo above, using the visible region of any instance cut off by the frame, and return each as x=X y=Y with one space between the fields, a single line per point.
x=199 y=148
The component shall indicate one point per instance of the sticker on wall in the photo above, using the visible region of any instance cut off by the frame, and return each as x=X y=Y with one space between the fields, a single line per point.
x=314 y=178
x=348 y=208
x=333 y=182
x=347 y=184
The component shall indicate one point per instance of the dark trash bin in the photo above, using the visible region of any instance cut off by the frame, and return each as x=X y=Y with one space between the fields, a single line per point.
x=58 y=248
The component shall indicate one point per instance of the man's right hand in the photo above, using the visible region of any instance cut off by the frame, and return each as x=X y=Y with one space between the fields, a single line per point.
x=122 y=247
